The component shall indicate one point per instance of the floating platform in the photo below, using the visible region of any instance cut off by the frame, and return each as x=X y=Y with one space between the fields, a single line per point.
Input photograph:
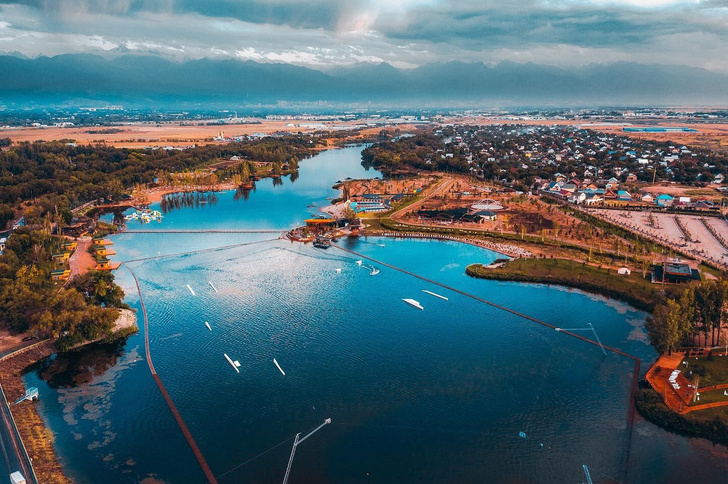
x=279 y=367
x=235 y=364
x=434 y=294
x=413 y=303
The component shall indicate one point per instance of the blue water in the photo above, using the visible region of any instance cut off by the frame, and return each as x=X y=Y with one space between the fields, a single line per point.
x=415 y=396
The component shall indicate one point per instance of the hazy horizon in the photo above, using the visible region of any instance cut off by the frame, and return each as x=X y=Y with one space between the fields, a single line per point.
x=470 y=52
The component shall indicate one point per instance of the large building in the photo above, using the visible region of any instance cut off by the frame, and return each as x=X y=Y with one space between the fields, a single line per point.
x=674 y=272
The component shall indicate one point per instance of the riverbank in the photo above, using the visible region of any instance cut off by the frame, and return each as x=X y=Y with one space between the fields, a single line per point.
x=36 y=437
x=632 y=288
x=156 y=194
x=711 y=424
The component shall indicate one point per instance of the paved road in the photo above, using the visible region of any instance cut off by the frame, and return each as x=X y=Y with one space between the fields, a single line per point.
x=13 y=454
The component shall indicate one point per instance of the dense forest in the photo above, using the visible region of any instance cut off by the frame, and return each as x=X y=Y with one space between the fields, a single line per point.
x=30 y=301
x=58 y=176
x=423 y=151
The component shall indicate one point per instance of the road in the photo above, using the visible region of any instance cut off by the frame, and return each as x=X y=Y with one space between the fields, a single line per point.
x=13 y=454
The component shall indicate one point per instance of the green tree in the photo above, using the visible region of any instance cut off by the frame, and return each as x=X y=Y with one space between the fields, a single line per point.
x=663 y=326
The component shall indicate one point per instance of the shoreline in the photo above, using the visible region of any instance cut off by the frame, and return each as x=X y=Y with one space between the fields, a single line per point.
x=591 y=285
x=35 y=437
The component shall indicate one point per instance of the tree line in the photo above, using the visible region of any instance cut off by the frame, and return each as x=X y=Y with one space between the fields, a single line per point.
x=59 y=176
x=695 y=314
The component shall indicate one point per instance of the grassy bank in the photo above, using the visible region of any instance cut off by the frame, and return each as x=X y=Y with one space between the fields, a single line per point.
x=711 y=424
x=545 y=244
x=634 y=289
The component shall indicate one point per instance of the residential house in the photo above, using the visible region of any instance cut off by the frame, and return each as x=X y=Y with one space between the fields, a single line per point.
x=664 y=200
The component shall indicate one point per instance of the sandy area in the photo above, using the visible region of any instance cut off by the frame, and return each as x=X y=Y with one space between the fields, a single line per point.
x=702 y=244
x=127 y=319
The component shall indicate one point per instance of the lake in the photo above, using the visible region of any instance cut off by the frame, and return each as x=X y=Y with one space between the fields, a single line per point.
x=458 y=392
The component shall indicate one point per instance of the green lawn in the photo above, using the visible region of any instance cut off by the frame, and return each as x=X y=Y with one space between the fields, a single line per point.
x=710 y=397
x=633 y=288
x=712 y=370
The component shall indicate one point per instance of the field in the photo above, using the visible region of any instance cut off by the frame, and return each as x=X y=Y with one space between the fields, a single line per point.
x=156 y=135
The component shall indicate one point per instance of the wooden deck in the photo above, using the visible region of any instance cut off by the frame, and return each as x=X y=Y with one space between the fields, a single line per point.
x=678 y=400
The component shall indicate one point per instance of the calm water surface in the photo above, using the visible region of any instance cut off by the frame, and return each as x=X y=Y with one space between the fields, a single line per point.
x=438 y=395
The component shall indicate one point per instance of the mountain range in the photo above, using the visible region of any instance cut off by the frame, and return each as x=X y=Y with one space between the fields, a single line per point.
x=145 y=80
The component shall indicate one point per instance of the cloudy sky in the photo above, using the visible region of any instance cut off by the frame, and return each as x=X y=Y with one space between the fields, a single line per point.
x=405 y=33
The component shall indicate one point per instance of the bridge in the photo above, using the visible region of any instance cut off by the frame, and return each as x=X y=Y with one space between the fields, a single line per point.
x=208 y=231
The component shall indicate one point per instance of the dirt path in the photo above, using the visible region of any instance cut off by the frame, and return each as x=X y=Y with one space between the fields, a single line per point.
x=81 y=261
x=440 y=187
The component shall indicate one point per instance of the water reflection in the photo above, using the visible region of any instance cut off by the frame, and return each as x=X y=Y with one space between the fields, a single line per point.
x=77 y=368
x=243 y=192
x=174 y=201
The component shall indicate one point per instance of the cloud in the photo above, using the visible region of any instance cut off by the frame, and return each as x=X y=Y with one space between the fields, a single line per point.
x=327 y=33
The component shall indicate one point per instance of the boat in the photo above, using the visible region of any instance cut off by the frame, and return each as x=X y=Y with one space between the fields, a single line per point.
x=193 y=292
x=434 y=294
x=374 y=271
x=212 y=286
x=208 y=325
x=235 y=364
x=358 y=263
x=338 y=270
x=279 y=367
x=321 y=243
x=413 y=303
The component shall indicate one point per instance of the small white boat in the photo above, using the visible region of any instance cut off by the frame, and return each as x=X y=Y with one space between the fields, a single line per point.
x=193 y=292
x=374 y=271
x=234 y=364
x=212 y=286
x=208 y=325
x=279 y=367
x=338 y=270
x=434 y=294
x=413 y=303
x=358 y=263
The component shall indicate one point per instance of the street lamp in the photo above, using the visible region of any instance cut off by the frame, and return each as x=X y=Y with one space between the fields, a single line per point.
x=296 y=442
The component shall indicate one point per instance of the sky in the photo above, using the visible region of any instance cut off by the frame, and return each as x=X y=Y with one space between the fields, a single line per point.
x=324 y=34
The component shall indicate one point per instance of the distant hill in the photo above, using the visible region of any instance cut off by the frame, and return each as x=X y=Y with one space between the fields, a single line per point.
x=149 y=80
